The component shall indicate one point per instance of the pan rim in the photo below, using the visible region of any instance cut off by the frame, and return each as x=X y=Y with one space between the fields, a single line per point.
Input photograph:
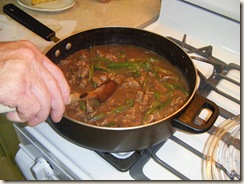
x=138 y=126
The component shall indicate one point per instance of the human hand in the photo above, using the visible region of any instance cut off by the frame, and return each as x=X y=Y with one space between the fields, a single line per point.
x=31 y=83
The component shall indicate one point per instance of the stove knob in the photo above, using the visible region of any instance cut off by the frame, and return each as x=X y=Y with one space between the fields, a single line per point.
x=42 y=170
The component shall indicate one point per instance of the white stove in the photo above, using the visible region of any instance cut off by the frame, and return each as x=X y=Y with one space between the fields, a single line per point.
x=45 y=155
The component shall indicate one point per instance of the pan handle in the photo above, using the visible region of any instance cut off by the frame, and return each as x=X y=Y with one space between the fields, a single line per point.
x=29 y=22
x=188 y=120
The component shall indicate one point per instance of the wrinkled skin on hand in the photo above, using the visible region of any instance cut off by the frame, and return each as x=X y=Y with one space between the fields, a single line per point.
x=31 y=83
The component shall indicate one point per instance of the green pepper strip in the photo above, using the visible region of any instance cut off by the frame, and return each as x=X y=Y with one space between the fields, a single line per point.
x=126 y=65
x=162 y=70
x=134 y=67
x=182 y=89
x=101 y=59
x=98 y=116
x=129 y=103
x=145 y=59
x=155 y=74
x=171 y=87
x=157 y=95
x=145 y=84
x=168 y=85
x=146 y=65
x=98 y=66
x=82 y=105
x=110 y=124
x=101 y=63
x=129 y=66
x=156 y=106
x=150 y=68
x=91 y=72
x=106 y=65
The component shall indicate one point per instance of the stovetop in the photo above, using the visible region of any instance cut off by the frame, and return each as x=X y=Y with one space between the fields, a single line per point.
x=182 y=155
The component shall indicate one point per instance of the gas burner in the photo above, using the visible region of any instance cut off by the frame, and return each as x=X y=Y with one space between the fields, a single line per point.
x=121 y=161
x=222 y=152
x=125 y=161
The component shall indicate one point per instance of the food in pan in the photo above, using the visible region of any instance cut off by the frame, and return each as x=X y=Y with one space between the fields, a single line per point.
x=34 y=2
x=147 y=86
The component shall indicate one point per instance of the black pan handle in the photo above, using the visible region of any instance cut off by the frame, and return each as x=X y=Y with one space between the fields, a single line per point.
x=29 y=22
x=188 y=119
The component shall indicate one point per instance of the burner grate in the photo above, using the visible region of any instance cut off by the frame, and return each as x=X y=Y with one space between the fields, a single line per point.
x=135 y=163
x=206 y=85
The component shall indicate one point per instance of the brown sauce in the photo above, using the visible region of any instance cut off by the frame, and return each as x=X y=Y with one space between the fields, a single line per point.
x=149 y=87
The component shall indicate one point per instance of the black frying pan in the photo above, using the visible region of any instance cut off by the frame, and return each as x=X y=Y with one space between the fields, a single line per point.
x=134 y=138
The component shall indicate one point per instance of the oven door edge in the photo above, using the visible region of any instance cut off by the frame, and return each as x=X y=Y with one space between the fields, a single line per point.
x=35 y=163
